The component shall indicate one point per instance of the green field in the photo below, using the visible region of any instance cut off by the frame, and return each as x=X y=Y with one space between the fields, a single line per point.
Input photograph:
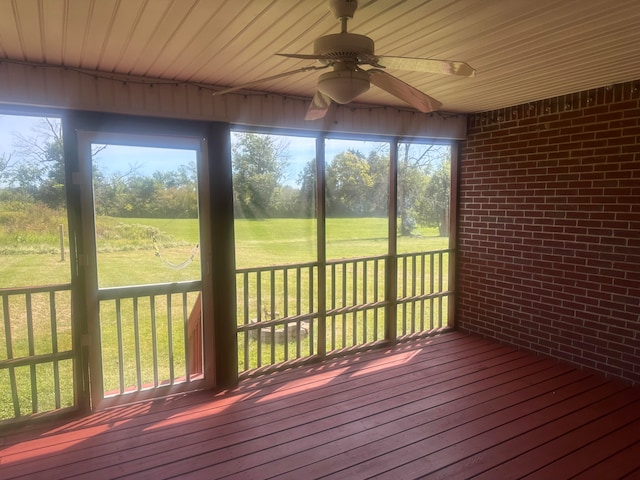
x=127 y=256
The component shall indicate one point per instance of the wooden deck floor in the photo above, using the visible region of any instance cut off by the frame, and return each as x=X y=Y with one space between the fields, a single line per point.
x=449 y=407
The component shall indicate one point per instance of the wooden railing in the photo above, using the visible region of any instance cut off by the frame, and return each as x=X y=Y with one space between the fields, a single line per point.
x=276 y=313
x=279 y=318
x=355 y=301
x=37 y=358
x=423 y=291
x=150 y=336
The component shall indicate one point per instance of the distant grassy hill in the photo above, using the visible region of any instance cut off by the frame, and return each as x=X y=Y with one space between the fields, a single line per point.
x=29 y=228
x=126 y=247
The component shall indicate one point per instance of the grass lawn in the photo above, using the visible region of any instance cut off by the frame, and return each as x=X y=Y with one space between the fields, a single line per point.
x=127 y=256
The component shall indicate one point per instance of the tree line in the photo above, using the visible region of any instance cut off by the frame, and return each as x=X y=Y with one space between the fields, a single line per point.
x=357 y=184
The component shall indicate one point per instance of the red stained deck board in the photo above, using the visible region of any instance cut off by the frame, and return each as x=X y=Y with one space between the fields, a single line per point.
x=331 y=429
x=589 y=415
x=139 y=413
x=394 y=451
x=624 y=465
x=378 y=426
x=599 y=450
x=125 y=438
x=196 y=448
x=439 y=353
x=450 y=405
x=572 y=449
x=497 y=428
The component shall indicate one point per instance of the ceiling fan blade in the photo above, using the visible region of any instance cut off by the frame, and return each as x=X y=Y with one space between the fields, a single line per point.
x=396 y=87
x=304 y=56
x=428 y=65
x=320 y=104
x=267 y=79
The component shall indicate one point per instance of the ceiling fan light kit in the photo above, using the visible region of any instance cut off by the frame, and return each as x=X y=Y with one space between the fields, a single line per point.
x=346 y=52
x=343 y=84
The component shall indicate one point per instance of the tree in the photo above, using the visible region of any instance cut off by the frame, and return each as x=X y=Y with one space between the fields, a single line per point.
x=415 y=166
x=378 y=194
x=307 y=181
x=259 y=162
x=176 y=193
x=433 y=206
x=349 y=181
x=286 y=203
x=171 y=194
x=113 y=192
x=40 y=170
x=7 y=169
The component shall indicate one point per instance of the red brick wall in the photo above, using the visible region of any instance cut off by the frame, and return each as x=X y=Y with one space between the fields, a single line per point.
x=549 y=228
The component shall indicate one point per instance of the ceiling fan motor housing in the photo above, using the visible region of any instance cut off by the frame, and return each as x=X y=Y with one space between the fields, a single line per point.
x=343 y=46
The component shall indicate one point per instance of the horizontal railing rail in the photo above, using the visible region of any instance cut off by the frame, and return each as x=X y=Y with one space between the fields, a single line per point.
x=112 y=293
x=36 y=359
x=426 y=296
x=356 y=308
x=35 y=289
x=277 y=322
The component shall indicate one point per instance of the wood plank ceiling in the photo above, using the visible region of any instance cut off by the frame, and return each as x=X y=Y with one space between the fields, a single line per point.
x=523 y=50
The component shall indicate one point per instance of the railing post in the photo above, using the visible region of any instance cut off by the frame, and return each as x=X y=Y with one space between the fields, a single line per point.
x=391 y=267
x=453 y=234
x=321 y=247
x=194 y=335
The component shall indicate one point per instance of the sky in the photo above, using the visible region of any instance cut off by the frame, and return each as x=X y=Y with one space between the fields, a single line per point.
x=11 y=124
x=147 y=160
x=118 y=158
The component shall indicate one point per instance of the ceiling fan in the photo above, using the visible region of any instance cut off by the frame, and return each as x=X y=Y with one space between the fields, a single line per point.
x=345 y=53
